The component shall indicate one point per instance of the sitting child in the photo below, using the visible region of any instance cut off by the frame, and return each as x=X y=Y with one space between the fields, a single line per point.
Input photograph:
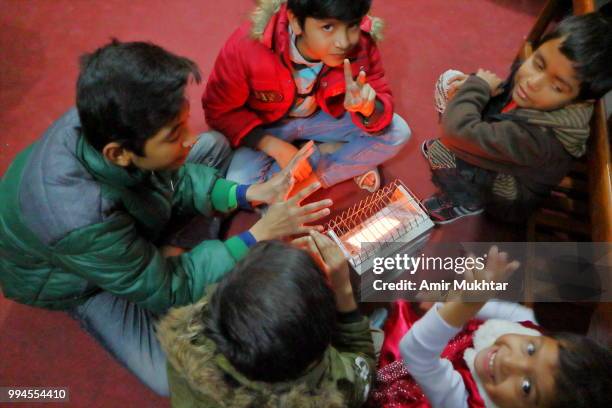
x=461 y=363
x=276 y=332
x=306 y=70
x=86 y=207
x=503 y=148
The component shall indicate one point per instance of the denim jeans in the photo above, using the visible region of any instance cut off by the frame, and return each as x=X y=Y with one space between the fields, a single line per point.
x=125 y=329
x=361 y=151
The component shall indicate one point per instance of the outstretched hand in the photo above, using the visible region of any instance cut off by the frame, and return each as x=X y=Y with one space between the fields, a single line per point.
x=359 y=96
x=278 y=187
x=497 y=269
x=459 y=308
x=287 y=218
x=329 y=257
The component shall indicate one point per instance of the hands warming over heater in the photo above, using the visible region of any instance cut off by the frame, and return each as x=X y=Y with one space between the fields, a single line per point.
x=331 y=260
x=288 y=218
x=278 y=187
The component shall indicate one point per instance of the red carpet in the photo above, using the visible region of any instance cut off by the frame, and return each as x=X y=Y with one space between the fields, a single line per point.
x=41 y=41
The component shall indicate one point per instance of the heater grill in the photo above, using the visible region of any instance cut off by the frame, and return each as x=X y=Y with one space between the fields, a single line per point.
x=373 y=226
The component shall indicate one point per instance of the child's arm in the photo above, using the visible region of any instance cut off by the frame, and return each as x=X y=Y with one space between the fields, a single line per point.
x=353 y=360
x=227 y=91
x=199 y=189
x=115 y=257
x=281 y=151
x=503 y=141
x=422 y=345
x=421 y=348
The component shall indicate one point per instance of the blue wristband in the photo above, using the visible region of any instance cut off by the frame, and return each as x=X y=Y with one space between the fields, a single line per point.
x=241 y=197
x=248 y=238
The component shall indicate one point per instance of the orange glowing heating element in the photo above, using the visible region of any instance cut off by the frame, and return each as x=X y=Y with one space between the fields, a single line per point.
x=374 y=231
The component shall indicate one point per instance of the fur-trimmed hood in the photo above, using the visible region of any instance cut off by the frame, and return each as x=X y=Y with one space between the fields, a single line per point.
x=193 y=358
x=267 y=8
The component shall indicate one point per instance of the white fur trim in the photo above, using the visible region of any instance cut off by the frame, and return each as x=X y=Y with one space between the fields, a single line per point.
x=485 y=336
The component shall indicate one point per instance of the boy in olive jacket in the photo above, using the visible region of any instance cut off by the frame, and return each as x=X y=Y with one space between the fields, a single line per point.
x=83 y=209
x=504 y=146
x=281 y=330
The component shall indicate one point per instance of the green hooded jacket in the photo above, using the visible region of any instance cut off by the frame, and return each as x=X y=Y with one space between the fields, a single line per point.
x=73 y=224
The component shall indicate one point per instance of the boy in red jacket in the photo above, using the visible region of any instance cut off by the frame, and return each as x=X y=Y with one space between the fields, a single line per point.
x=305 y=70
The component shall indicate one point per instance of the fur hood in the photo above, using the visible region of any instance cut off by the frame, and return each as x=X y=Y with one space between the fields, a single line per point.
x=267 y=8
x=194 y=358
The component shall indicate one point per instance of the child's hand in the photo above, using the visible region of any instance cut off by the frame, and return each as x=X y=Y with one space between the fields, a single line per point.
x=298 y=166
x=459 y=309
x=288 y=217
x=454 y=84
x=278 y=187
x=493 y=80
x=307 y=244
x=283 y=152
x=331 y=260
x=497 y=269
x=359 y=96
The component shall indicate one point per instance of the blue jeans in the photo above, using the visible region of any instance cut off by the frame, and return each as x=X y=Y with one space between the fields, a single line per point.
x=361 y=151
x=125 y=329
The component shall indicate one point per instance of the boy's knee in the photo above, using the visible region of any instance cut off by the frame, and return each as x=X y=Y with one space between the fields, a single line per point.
x=217 y=143
x=398 y=132
x=212 y=149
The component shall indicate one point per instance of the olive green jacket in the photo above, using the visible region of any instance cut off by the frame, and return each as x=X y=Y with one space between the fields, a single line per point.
x=200 y=377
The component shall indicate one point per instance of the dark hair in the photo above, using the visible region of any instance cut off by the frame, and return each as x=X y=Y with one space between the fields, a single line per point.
x=127 y=92
x=587 y=42
x=583 y=378
x=347 y=11
x=273 y=314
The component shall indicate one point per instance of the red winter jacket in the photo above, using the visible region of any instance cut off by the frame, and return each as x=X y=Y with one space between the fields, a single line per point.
x=251 y=84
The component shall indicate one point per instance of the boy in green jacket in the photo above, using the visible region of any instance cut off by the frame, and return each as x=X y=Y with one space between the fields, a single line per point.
x=281 y=330
x=84 y=208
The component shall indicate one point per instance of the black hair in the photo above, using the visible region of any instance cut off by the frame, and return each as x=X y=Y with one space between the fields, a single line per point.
x=587 y=42
x=127 y=92
x=584 y=376
x=274 y=314
x=347 y=11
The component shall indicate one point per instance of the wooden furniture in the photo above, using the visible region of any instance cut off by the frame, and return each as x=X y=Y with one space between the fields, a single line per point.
x=580 y=207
